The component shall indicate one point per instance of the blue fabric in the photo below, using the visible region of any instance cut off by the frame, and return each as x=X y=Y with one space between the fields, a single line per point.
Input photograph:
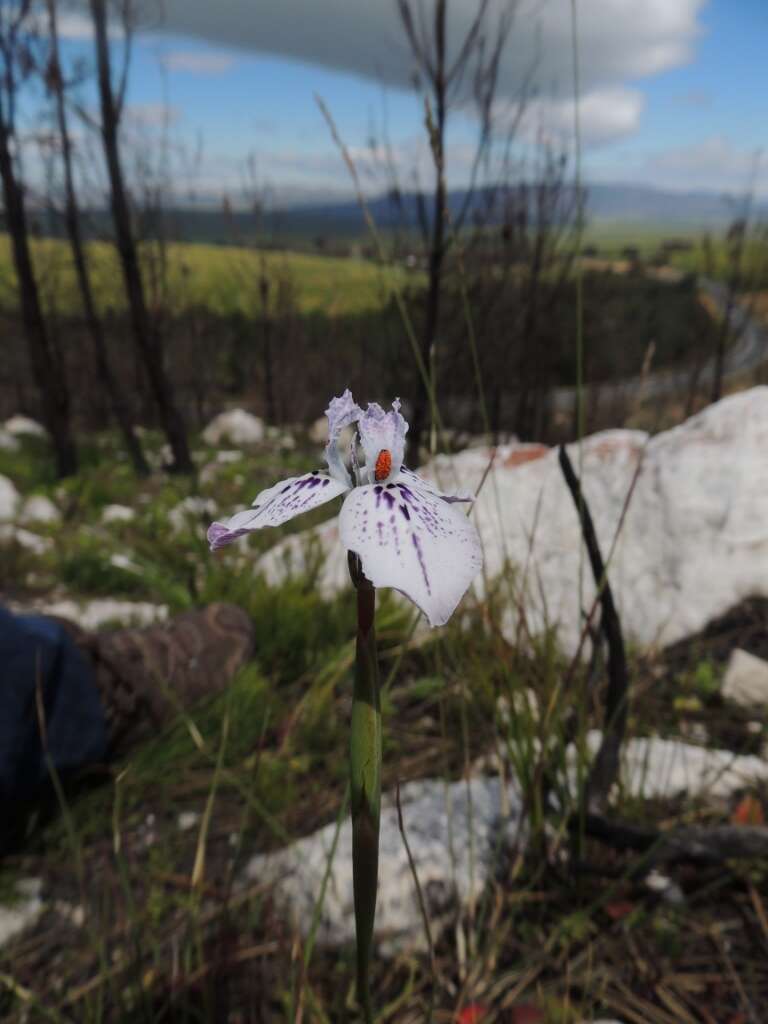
x=37 y=653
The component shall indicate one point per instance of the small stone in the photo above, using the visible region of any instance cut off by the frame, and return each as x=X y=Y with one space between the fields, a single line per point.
x=10 y=499
x=191 y=510
x=120 y=561
x=226 y=456
x=26 y=539
x=746 y=679
x=668 y=889
x=39 y=509
x=19 y=425
x=117 y=514
x=72 y=913
x=187 y=820
x=8 y=443
x=102 y=611
x=24 y=911
x=236 y=426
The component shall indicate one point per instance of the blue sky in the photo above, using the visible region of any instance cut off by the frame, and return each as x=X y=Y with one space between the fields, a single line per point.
x=674 y=91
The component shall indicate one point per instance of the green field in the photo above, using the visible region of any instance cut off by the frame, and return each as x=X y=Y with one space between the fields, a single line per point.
x=612 y=237
x=225 y=279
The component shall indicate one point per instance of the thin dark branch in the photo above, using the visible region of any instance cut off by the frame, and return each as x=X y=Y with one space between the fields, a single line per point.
x=606 y=765
x=701 y=844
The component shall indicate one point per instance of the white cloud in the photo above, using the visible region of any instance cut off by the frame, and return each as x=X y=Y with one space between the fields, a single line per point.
x=713 y=163
x=74 y=26
x=618 y=39
x=151 y=115
x=198 y=63
x=605 y=115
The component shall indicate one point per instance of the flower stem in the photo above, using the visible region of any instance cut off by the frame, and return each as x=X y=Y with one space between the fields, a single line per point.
x=365 y=764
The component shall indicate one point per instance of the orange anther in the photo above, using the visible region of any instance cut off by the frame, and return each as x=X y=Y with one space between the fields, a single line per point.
x=383 y=465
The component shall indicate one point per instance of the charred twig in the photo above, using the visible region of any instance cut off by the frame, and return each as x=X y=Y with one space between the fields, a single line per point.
x=701 y=844
x=606 y=765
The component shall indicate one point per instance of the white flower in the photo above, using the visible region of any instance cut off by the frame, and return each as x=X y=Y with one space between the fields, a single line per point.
x=406 y=533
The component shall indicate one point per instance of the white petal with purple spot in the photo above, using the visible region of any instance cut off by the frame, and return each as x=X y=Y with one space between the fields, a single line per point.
x=410 y=538
x=277 y=505
x=411 y=479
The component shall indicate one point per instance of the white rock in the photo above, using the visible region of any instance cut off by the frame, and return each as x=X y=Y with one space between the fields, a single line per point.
x=282 y=438
x=8 y=442
x=654 y=767
x=10 y=499
x=191 y=510
x=666 y=887
x=453 y=849
x=39 y=509
x=227 y=456
x=236 y=426
x=19 y=425
x=187 y=820
x=693 y=544
x=223 y=458
x=121 y=561
x=208 y=473
x=746 y=679
x=447 y=841
x=117 y=514
x=74 y=913
x=24 y=911
x=26 y=539
x=96 y=613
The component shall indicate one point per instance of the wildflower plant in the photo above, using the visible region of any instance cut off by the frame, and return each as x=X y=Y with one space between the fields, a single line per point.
x=401 y=532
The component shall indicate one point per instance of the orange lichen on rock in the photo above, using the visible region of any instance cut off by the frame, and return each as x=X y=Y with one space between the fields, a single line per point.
x=526 y=453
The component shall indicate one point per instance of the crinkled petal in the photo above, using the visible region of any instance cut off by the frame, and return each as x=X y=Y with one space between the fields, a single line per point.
x=382 y=431
x=410 y=538
x=411 y=479
x=277 y=505
x=341 y=412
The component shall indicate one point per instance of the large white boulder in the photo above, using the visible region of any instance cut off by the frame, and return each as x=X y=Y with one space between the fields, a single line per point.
x=458 y=833
x=10 y=499
x=455 y=831
x=19 y=425
x=693 y=543
x=236 y=427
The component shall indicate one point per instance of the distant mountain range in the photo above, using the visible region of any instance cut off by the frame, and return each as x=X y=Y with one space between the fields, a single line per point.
x=208 y=219
x=634 y=204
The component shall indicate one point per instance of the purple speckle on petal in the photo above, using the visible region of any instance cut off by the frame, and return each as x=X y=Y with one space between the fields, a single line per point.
x=420 y=556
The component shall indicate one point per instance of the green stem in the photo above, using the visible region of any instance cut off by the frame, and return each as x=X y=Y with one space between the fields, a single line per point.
x=365 y=764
